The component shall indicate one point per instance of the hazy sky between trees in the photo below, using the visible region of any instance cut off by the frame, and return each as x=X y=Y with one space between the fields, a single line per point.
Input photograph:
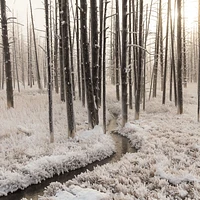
x=20 y=8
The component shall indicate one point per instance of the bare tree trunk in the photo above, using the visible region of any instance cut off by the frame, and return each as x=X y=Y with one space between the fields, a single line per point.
x=100 y=50
x=15 y=61
x=6 y=49
x=155 y=70
x=82 y=80
x=78 y=50
x=104 y=69
x=130 y=59
x=71 y=51
x=95 y=51
x=88 y=81
x=179 y=57
x=166 y=53
x=117 y=35
x=22 y=60
x=124 y=64
x=172 y=26
x=62 y=92
x=1 y=67
x=135 y=49
x=36 y=55
x=198 y=108
x=140 y=63
x=49 y=73
x=161 y=52
x=67 y=70
x=56 y=49
x=184 y=50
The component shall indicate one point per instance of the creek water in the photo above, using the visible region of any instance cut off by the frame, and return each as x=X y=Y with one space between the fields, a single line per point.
x=122 y=147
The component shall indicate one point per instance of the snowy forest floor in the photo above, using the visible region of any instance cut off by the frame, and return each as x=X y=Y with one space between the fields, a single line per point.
x=27 y=157
x=165 y=167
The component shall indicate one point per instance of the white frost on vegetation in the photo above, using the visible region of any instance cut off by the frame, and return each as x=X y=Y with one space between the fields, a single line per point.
x=27 y=157
x=166 y=165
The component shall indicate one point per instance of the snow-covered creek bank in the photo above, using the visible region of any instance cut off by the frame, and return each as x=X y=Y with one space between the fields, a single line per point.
x=32 y=192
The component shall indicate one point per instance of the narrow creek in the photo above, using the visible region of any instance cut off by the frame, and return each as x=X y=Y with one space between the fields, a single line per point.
x=122 y=146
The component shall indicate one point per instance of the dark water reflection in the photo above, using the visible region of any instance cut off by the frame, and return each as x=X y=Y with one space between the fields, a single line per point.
x=122 y=146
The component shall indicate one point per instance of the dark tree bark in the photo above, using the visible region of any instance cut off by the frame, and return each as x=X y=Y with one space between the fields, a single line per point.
x=62 y=89
x=124 y=64
x=117 y=52
x=49 y=72
x=6 y=49
x=104 y=68
x=30 y=64
x=198 y=108
x=35 y=46
x=92 y=121
x=71 y=51
x=67 y=71
x=173 y=71
x=78 y=50
x=130 y=59
x=148 y=18
x=166 y=54
x=161 y=51
x=15 y=60
x=184 y=50
x=56 y=48
x=179 y=57
x=140 y=63
x=95 y=48
x=100 y=51
x=155 y=70
x=82 y=80
x=135 y=42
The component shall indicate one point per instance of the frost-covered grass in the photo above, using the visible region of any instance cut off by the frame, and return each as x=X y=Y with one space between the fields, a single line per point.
x=166 y=165
x=27 y=157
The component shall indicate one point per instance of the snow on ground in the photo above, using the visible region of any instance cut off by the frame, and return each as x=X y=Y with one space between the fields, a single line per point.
x=27 y=157
x=166 y=165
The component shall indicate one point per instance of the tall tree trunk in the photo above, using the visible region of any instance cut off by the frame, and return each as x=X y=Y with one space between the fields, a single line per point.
x=155 y=70
x=67 y=71
x=161 y=51
x=15 y=61
x=166 y=53
x=179 y=57
x=35 y=46
x=95 y=51
x=124 y=64
x=82 y=80
x=184 y=50
x=172 y=27
x=135 y=49
x=49 y=73
x=100 y=50
x=198 y=108
x=3 y=71
x=62 y=89
x=56 y=49
x=6 y=49
x=117 y=35
x=78 y=50
x=104 y=68
x=130 y=59
x=71 y=51
x=92 y=121
x=140 y=63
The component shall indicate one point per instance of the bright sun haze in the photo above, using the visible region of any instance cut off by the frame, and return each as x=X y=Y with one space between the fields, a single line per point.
x=191 y=13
